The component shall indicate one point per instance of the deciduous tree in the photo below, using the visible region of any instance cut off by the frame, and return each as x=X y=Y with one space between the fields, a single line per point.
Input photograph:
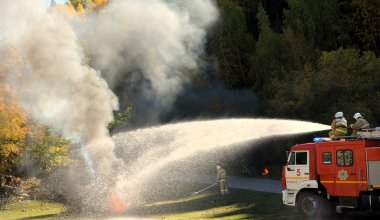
x=366 y=23
x=45 y=150
x=318 y=21
x=13 y=128
x=230 y=46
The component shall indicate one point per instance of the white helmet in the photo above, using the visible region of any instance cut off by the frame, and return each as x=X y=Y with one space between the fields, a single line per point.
x=339 y=115
x=357 y=115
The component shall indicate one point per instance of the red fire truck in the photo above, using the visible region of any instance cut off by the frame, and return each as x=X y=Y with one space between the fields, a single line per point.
x=342 y=173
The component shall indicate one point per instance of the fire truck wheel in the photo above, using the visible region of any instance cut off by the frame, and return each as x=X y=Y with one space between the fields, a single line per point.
x=309 y=204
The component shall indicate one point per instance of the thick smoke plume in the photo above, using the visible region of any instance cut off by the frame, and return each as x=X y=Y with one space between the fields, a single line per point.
x=52 y=83
x=147 y=48
x=144 y=48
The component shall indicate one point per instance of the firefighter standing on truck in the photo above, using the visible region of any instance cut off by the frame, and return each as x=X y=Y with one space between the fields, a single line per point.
x=360 y=123
x=221 y=178
x=338 y=125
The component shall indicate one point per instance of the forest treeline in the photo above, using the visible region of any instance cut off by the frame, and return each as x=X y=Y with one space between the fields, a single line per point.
x=303 y=59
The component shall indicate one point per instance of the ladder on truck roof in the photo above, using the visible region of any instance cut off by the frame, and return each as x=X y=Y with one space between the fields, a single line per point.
x=369 y=134
x=364 y=134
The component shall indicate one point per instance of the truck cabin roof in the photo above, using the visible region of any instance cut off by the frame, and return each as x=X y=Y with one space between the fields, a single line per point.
x=366 y=143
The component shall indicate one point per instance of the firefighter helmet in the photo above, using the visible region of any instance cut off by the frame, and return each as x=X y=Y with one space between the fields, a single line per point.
x=339 y=115
x=357 y=115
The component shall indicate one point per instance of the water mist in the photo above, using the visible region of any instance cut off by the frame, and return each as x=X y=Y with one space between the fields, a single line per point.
x=149 y=151
x=43 y=65
x=149 y=45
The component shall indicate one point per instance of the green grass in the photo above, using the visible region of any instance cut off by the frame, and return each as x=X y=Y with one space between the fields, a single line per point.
x=177 y=204
x=31 y=209
x=239 y=204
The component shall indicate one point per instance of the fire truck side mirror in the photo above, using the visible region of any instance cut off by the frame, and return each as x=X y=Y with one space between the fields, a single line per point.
x=287 y=155
x=289 y=169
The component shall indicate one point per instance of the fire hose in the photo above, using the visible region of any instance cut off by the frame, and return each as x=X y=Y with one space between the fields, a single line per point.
x=195 y=193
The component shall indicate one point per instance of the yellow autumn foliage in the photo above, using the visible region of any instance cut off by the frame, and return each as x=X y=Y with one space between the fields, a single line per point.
x=13 y=129
x=22 y=140
x=98 y=3
x=80 y=8
x=45 y=149
x=76 y=7
x=12 y=122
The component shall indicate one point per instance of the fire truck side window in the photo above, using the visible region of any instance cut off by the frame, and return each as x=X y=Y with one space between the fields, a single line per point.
x=326 y=158
x=344 y=158
x=348 y=158
x=292 y=159
x=301 y=158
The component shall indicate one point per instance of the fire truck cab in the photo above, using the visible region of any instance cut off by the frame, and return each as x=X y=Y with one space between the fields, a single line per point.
x=343 y=174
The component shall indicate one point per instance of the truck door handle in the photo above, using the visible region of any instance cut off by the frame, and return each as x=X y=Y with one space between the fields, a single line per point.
x=352 y=173
x=289 y=169
x=306 y=173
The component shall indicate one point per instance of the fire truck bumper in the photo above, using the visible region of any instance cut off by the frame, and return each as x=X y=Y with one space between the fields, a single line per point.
x=289 y=197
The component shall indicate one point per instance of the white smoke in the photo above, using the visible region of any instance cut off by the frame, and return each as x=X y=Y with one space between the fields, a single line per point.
x=148 y=46
x=50 y=80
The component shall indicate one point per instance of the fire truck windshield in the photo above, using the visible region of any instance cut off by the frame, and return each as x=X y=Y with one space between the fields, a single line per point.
x=298 y=158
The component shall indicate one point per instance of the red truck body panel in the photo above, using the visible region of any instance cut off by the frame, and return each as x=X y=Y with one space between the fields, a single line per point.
x=341 y=166
x=373 y=154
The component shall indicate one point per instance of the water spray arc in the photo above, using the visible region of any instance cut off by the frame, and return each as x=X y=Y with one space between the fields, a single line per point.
x=89 y=164
x=79 y=142
x=153 y=149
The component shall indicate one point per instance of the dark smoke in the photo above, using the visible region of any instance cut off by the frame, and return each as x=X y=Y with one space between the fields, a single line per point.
x=147 y=49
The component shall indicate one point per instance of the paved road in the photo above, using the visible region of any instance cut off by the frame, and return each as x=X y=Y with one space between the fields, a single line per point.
x=255 y=184
x=249 y=183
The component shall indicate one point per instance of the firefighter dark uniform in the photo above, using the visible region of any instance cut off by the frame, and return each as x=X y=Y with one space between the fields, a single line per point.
x=338 y=125
x=221 y=178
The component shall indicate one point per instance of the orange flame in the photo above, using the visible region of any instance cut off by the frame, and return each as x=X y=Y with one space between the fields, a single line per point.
x=265 y=172
x=116 y=205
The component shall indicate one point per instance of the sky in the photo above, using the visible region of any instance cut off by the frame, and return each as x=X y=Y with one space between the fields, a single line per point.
x=47 y=2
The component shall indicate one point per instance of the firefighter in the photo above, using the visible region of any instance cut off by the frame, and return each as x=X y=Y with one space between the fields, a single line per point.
x=338 y=125
x=221 y=178
x=360 y=123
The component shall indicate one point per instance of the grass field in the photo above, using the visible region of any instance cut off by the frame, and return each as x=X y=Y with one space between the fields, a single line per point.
x=31 y=209
x=177 y=203
x=238 y=204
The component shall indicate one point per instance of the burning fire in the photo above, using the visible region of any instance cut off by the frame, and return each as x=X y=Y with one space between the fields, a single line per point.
x=265 y=172
x=116 y=205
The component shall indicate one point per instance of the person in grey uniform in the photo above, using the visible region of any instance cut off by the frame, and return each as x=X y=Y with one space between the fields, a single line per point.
x=360 y=123
x=221 y=178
